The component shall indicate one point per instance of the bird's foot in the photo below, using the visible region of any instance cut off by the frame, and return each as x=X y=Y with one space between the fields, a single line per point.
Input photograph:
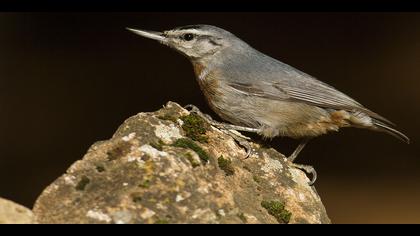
x=309 y=170
x=229 y=129
x=306 y=168
x=241 y=141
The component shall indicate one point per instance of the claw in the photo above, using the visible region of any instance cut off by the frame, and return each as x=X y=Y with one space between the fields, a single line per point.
x=191 y=107
x=242 y=142
x=248 y=148
x=309 y=170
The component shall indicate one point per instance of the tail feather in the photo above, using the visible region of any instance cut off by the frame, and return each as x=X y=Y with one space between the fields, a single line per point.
x=380 y=126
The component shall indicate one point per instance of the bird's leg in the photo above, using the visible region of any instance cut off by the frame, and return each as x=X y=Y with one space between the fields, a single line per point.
x=296 y=152
x=236 y=127
x=228 y=129
x=242 y=141
x=308 y=169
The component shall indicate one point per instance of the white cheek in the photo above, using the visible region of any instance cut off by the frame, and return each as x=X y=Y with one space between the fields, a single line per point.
x=207 y=48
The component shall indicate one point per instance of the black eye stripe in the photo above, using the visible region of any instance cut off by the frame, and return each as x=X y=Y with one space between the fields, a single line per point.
x=191 y=36
x=215 y=43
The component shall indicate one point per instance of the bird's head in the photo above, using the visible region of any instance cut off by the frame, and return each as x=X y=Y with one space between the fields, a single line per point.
x=194 y=41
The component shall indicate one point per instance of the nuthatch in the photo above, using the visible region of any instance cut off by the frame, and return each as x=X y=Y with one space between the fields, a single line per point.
x=257 y=93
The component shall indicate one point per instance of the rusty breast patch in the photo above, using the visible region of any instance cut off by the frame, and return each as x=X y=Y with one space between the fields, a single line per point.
x=208 y=82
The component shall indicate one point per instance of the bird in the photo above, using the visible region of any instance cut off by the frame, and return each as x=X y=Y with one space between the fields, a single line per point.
x=256 y=93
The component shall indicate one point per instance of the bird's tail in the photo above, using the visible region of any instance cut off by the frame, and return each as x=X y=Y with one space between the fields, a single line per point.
x=387 y=128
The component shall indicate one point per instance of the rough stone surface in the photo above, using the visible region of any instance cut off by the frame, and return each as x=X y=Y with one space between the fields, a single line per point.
x=171 y=167
x=13 y=213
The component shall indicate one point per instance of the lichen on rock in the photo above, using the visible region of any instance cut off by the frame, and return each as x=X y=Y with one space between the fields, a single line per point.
x=170 y=166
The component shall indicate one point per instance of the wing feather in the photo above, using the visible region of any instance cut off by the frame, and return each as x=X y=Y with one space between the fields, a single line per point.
x=312 y=92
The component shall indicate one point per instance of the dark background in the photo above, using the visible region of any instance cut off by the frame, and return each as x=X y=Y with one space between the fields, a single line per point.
x=68 y=80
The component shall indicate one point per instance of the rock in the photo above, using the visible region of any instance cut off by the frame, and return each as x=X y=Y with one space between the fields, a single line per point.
x=170 y=166
x=13 y=213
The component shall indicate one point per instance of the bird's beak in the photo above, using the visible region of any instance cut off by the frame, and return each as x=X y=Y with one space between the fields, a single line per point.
x=158 y=36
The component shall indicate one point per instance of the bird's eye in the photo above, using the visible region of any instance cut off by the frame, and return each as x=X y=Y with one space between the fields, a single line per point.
x=188 y=37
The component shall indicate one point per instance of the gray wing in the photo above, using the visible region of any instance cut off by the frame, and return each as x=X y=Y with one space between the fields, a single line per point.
x=301 y=87
x=317 y=94
x=267 y=77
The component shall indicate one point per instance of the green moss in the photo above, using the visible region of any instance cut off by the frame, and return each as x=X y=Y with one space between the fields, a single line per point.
x=300 y=220
x=136 y=199
x=188 y=143
x=81 y=185
x=168 y=117
x=247 y=168
x=190 y=158
x=195 y=127
x=226 y=165
x=256 y=179
x=122 y=149
x=276 y=209
x=159 y=145
x=145 y=184
x=161 y=221
x=242 y=217
x=100 y=168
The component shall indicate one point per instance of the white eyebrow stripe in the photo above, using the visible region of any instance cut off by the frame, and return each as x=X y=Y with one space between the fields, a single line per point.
x=192 y=31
